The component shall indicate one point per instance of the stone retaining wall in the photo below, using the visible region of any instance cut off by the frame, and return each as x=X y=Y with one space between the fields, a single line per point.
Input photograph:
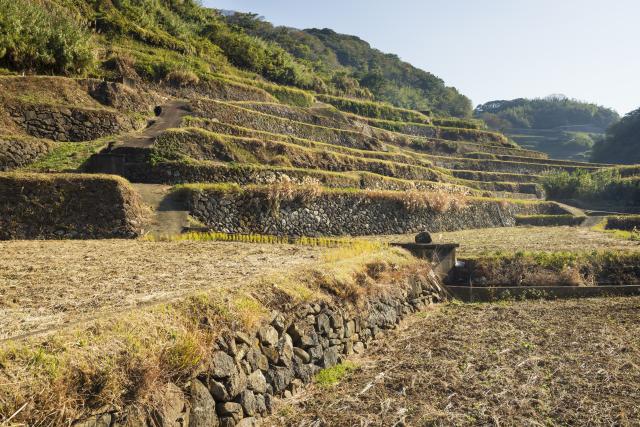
x=346 y=213
x=69 y=124
x=183 y=173
x=63 y=206
x=17 y=151
x=238 y=116
x=248 y=370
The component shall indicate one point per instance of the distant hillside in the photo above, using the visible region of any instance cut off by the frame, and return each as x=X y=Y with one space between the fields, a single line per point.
x=561 y=127
x=622 y=143
x=351 y=65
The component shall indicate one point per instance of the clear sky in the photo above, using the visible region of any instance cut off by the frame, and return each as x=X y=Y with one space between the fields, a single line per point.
x=491 y=49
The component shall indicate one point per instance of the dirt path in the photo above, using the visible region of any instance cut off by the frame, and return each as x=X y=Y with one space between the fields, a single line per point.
x=47 y=284
x=170 y=116
x=170 y=215
x=533 y=363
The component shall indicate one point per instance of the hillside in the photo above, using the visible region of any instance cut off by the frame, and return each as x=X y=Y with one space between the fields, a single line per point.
x=355 y=68
x=622 y=142
x=561 y=127
x=199 y=224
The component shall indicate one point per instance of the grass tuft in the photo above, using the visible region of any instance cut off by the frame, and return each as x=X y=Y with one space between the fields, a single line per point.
x=331 y=376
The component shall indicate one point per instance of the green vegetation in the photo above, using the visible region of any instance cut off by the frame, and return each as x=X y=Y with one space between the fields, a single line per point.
x=625 y=228
x=622 y=142
x=549 y=220
x=331 y=376
x=545 y=113
x=67 y=156
x=375 y=110
x=563 y=128
x=43 y=38
x=603 y=184
x=350 y=66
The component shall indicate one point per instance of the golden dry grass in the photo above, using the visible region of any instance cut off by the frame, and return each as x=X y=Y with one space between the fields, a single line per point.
x=45 y=284
x=508 y=240
x=527 y=364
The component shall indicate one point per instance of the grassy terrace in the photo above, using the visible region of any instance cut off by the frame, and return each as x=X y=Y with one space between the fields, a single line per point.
x=203 y=145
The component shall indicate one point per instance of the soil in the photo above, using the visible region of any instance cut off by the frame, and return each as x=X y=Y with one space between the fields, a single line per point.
x=47 y=284
x=531 y=363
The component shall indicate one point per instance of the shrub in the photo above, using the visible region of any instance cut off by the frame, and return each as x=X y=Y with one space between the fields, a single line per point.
x=182 y=78
x=604 y=185
x=43 y=38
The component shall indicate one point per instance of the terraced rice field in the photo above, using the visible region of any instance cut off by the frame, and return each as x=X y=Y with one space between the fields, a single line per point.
x=526 y=363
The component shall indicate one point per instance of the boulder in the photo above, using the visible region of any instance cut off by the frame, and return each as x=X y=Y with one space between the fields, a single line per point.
x=424 y=237
x=203 y=407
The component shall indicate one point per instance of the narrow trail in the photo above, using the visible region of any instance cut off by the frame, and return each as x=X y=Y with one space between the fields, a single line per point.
x=170 y=116
x=170 y=215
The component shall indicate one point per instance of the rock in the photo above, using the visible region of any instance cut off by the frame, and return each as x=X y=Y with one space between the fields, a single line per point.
x=268 y=401
x=331 y=357
x=230 y=410
x=173 y=410
x=349 y=328
x=279 y=322
x=236 y=383
x=358 y=347
x=303 y=355
x=257 y=360
x=261 y=404
x=424 y=237
x=248 y=401
x=305 y=372
x=241 y=337
x=271 y=353
x=303 y=337
x=316 y=353
x=323 y=325
x=218 y=391
x=228 y=422
x=336 y=320
x=203 y=407
x=285 y=350
x=222 y=365
x=268 y=336
x=279 y=378
x=248 y=422
x=257 y=382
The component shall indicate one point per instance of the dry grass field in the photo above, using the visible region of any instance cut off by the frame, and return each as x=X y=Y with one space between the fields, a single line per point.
x=46 y=284
x=527 y=364
x=534 y=239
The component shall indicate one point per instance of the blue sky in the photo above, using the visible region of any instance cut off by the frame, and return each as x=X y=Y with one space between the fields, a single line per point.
x=491 y=49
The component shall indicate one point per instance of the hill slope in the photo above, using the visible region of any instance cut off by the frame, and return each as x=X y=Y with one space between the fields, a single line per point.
x=622 y=144
x=353 y=66
x=561 y=127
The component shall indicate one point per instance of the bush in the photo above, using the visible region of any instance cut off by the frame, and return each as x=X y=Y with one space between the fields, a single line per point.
x=579 y=184
x=182 y=78
x=43 y=38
